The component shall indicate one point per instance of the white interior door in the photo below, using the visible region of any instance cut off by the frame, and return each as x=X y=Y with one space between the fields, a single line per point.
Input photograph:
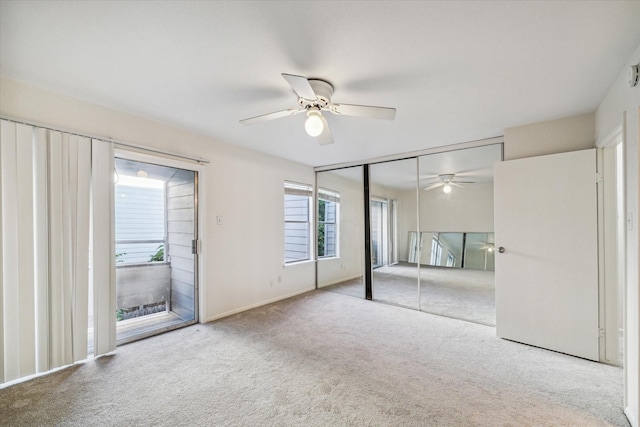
x=547 y=276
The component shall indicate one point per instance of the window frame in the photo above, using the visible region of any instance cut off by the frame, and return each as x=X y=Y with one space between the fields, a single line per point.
x=436 y=251
x=330 y=196
x=305 y=190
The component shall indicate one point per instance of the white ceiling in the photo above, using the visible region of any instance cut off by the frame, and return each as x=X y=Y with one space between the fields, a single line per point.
x=455 y=71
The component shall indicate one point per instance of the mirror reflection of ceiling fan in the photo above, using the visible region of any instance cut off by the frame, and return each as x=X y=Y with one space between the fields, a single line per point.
x=447 y=181
x=489 y=247
x=314 y=96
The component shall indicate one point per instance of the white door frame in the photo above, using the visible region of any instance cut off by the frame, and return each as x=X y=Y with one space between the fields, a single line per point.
x=612 y=241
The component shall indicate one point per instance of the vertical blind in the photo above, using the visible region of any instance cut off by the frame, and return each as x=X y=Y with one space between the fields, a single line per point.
x=55 y=212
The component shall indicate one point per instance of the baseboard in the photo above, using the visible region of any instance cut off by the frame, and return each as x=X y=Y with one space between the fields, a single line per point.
x=256 y=305
x=632 y=420
x=335 y=282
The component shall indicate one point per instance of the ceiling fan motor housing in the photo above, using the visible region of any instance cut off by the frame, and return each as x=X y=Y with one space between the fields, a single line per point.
x=446 y=178
x=323 y=91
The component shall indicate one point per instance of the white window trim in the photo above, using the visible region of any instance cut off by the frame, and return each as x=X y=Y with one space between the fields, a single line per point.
x=307 y=189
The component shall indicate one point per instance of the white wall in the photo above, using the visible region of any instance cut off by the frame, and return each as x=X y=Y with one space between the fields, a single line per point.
x=403 y=207
x=468 y=209
x=624 y=102
x=241 y=256
x=551 y=137
x=350 y=263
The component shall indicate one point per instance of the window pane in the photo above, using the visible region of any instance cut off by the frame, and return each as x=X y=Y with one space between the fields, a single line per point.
x=327 y=222
x=330 y=240
x=297 y=231
x=296 y=241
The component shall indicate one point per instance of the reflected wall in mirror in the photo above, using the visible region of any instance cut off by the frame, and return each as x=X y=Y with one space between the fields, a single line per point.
x=340 y=231
x=479 y=251
x=456 y=190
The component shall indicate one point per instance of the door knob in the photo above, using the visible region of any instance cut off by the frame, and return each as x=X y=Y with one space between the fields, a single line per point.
x=501 y=249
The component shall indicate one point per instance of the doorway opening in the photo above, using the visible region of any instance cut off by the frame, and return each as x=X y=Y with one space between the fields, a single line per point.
x=612 y=237
x=156 y=246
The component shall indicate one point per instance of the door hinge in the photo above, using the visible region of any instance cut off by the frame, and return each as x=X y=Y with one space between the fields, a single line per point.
x=598 y=177
x=195 y=246
x=601 y=333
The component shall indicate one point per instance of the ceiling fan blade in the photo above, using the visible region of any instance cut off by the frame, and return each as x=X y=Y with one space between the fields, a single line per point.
x=325 y=138
x=300 y=86
x=363 y=111
x=455 y=184
x=272 y=116
x=462 y=182
x=432 y=186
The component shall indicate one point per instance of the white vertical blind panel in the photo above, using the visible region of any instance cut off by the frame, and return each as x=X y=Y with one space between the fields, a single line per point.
x=68 y=236
x=103 y=253
x=26 y=256
x=56 y=253
x=41 y=238
x=82 y=177
x=3 y=124
x=45 y=202
x=10 y=273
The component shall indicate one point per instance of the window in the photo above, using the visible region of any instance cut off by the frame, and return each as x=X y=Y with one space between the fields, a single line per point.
x=436 y=251
x=451 y=259
x=297 y=222
x=328 y=212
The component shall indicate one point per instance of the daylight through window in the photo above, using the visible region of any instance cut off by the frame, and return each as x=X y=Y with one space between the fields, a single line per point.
x=328 y=213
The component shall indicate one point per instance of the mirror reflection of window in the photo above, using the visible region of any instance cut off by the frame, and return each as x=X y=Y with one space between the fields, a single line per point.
x=328 y=217
x=436 y=251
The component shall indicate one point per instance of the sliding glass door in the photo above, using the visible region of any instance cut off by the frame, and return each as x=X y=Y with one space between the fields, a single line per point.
x=379 y=232
x=155 y=231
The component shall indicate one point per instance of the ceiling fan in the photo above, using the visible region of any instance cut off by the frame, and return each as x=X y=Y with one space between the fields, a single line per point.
x=489 y=247
x=447 y=182
x=314 y=96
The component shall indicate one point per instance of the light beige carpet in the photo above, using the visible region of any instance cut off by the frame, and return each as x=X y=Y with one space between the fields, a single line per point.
x=324 y=359
x=453 y=292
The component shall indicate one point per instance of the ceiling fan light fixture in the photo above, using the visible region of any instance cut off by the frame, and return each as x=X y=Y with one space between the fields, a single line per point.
x=446 y=188
x=314 y=125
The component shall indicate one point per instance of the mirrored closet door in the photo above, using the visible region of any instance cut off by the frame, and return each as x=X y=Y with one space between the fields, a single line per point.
x=456 y=233
x=392 y=216
x=340 y=232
